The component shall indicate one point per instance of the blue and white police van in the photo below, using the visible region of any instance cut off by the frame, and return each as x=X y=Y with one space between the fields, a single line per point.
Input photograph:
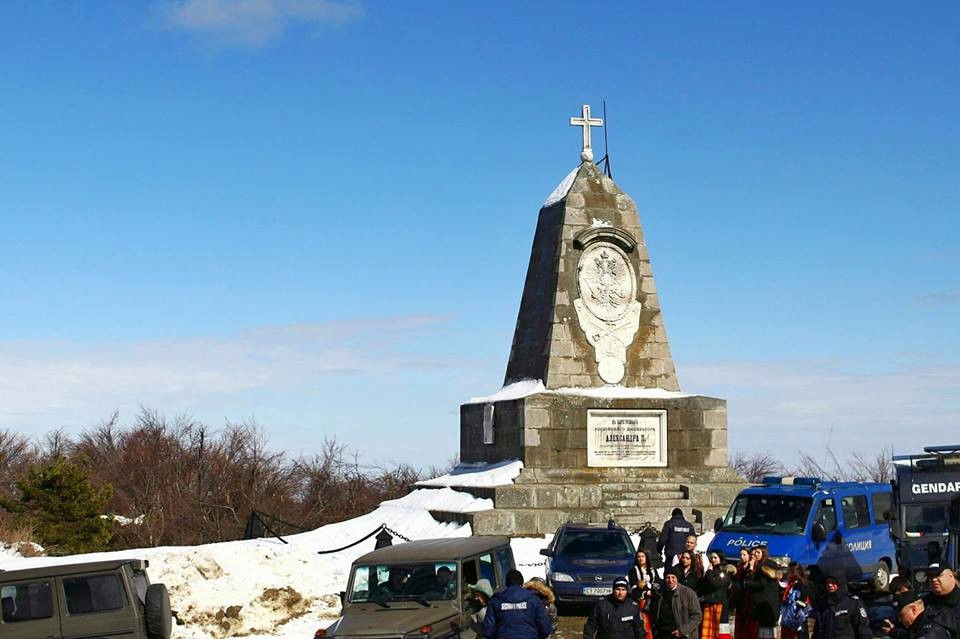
x=829 y=527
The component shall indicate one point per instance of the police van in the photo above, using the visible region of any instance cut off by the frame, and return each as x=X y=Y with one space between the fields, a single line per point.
x=829 y=527
x=922 y=489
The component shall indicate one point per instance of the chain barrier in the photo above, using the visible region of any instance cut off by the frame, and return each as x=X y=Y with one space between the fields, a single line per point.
x=364 y=538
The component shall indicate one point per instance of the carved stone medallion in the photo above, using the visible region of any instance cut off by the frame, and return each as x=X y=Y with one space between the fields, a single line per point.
x=607 y=309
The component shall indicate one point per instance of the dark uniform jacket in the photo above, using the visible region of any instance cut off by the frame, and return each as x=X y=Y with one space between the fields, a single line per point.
x=944 y=609
x=612 y=619
x=674 y=536
x=516 y=613
x=840 y=615
x=924 y=627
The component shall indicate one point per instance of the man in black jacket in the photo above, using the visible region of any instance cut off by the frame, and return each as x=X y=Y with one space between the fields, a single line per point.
x=616 y=616
x=917 y=620
x=839 y=615
x=943 y=601
x=674 y=536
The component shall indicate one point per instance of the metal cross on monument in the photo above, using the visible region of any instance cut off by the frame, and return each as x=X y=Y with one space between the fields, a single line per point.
x=586 y=122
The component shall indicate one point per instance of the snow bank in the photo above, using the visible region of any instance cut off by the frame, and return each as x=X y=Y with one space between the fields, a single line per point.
x=516 y=390
x=265 y=588
x=478 y=475
x=445 y=499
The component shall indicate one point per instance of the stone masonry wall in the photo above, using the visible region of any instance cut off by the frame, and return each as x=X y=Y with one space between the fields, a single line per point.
x=548 y=342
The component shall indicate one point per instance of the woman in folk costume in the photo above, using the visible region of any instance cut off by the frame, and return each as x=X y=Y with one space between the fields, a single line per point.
x=713 y=589
x=795 y=604
x=739 y=599
x=645 y=582
x=763 y=584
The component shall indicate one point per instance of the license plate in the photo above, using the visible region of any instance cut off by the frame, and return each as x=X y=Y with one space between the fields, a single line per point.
x=597 y=592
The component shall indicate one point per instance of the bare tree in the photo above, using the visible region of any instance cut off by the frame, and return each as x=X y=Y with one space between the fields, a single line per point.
x=756 y=466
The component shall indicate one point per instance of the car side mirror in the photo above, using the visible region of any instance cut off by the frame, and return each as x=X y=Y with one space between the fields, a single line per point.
x=546 y=552
x=933 y=551
x=819 y=532
x=718 y=524
x=343 y=598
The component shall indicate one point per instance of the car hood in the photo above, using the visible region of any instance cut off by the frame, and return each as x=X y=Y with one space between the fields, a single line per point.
x=371 y=620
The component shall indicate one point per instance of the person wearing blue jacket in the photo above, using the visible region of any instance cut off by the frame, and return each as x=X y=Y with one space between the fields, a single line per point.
x=516 y=613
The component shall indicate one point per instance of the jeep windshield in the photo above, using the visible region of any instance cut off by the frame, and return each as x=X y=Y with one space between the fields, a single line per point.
x=771 y=514
x=594 y=543
x=417 y=582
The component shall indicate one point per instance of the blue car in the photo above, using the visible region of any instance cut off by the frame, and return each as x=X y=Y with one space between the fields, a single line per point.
x=830 y=527
x=583 y=560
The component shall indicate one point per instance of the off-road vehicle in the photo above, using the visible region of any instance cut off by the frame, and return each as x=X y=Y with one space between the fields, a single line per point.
x=418 y=589
x=94 y=599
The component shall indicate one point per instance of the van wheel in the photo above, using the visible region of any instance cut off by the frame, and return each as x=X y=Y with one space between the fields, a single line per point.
x=156 y=609
x=881 y=580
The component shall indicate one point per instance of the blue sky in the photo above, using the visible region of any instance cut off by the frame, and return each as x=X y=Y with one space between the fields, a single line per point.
x=319 y=214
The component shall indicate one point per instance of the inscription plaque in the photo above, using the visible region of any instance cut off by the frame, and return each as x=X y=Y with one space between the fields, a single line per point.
x=626 y=438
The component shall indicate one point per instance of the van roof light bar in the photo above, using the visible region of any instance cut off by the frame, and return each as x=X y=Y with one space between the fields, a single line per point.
x=791 y=481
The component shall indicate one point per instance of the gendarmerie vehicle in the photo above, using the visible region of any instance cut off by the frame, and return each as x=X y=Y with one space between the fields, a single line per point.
x=94 y=599
x=924 y=485
x=826 y=526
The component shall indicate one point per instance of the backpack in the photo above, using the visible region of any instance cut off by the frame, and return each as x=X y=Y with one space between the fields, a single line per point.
x=794 y=611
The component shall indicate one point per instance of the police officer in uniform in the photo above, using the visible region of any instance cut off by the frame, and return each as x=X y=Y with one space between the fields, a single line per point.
x=516 y=613
x=943 y=601
x=916 y=619
x=839 y=615
x=674 y=536
x=616 y=616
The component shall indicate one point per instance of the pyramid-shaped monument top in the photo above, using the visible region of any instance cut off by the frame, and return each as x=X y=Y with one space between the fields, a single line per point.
x=590 y=315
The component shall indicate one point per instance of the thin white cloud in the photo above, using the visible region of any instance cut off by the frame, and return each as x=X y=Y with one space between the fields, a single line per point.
x=252 y=23
x=43 y=385
x=805 y=405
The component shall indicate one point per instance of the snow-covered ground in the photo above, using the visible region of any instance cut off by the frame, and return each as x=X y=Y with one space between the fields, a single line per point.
x=265 y=588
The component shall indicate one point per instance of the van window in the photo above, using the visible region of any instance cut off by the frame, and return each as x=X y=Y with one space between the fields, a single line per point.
x=882 y=502
x=855 y=511
x=93 y=594
x=25 y=602
x=827 y=515
x=504 y=562
x=776 y=514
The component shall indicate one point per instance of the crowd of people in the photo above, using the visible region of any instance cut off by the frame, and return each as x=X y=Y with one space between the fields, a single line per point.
x=676 y=592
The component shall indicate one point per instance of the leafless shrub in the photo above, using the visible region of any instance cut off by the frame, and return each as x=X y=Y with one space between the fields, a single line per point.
x=754 y=467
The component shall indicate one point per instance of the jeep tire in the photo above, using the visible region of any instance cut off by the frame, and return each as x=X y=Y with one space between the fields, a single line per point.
x=159 y=619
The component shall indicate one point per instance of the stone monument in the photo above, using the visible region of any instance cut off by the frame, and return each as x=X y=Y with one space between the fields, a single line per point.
x=591 y=402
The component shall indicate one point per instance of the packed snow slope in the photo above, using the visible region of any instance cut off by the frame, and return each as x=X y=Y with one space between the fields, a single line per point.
x=265 y=588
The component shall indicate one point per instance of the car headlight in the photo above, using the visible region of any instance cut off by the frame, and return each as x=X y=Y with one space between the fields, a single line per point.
x=782 y=561
x=560 y=576
x=920 y=577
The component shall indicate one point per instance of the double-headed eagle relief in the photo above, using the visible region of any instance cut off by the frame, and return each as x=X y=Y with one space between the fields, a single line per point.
x=608 y=310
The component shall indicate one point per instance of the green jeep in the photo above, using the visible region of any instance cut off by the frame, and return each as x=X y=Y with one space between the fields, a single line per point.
x=94 y=599
x=417 y=590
